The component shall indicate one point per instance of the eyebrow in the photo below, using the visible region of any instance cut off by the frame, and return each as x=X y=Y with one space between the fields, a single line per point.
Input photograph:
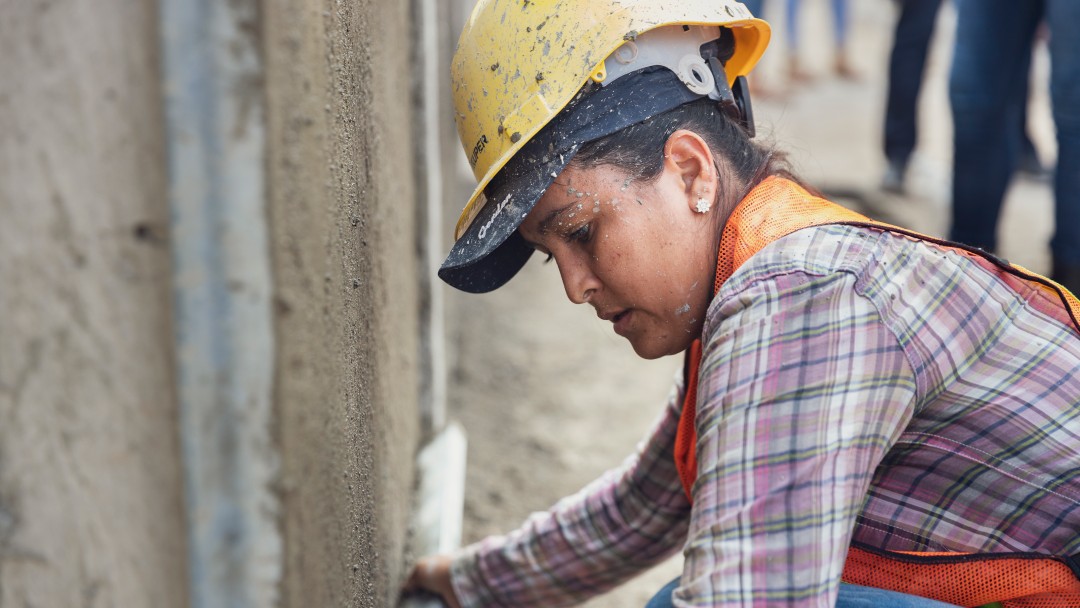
x=545 y=223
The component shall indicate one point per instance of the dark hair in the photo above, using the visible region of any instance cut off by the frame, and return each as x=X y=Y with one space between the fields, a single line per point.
x=638 y=149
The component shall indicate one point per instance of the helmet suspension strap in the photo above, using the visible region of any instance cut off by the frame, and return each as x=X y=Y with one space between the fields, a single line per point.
x=734 y=100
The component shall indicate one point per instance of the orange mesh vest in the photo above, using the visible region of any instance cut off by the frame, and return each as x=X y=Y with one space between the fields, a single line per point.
x=777 y=208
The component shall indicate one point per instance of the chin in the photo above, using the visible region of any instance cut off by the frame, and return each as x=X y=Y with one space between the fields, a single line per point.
x=651 y=350
x=655 y=347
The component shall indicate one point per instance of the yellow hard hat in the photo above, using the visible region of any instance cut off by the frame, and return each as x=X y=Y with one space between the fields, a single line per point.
x=519 y=63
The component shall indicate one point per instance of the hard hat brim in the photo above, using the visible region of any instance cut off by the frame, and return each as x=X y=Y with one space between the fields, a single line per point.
x=491 y=251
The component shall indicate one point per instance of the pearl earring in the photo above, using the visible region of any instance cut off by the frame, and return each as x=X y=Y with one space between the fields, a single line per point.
x=703 y=205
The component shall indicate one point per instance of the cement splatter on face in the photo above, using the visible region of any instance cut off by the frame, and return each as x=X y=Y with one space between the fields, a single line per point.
x=682 y=310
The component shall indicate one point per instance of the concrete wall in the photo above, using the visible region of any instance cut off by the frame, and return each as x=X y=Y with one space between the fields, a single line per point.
x=343 y=206
x=92 y=500
x=90 y=484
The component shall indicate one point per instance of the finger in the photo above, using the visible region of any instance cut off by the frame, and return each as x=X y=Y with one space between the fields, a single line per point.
x=427 y=573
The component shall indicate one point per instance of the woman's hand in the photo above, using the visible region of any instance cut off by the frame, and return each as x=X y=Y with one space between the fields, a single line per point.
x=432 y=574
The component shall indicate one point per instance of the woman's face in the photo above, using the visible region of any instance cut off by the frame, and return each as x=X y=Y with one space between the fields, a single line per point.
x=638 y=252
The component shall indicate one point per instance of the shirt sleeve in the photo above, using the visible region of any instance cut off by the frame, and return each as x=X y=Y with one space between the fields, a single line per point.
x=624 y=522
x=802 y=391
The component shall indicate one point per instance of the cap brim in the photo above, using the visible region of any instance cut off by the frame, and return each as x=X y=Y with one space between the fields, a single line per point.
x=491 y=251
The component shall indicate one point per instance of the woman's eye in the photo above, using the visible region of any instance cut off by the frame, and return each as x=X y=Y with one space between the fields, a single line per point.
x=581 y=235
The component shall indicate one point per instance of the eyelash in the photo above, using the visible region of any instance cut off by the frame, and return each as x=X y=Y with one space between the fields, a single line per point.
x=581 y=235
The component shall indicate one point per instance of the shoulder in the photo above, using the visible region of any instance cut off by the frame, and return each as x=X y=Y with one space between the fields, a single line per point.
x=834 y=270
x=819 y=250
x=923 y=293
x=796 y=268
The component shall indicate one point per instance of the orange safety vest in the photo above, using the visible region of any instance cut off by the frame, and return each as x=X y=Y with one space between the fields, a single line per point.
x=777 y=208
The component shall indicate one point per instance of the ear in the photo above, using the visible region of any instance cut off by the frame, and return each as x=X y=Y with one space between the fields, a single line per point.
x=689 y=160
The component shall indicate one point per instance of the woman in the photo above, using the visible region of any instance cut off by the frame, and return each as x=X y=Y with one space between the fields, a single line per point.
x=865 y=417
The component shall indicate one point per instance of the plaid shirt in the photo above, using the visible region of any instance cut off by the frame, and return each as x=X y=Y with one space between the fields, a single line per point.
x=856 y=386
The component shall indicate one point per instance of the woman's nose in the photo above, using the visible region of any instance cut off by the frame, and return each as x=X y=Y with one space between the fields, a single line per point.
x=578 y=280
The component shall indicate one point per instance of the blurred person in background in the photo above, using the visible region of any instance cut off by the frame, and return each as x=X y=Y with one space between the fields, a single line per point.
x=865 y=416
x=841 y=65
x=907 y=61
x=987 y=90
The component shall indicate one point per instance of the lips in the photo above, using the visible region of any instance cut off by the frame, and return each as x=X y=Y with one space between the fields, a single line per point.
x=609 y=314
x=620 y=318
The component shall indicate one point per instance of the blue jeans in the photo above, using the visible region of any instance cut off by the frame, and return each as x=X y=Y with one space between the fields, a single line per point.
x=914 y=28
x=851 y=596
x=986 y=93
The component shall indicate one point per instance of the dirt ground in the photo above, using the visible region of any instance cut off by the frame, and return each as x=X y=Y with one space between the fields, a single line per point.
x=550 y=397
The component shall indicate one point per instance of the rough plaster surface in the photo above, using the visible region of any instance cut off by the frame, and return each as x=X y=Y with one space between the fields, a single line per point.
x=342 y=221
x=90 y=484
